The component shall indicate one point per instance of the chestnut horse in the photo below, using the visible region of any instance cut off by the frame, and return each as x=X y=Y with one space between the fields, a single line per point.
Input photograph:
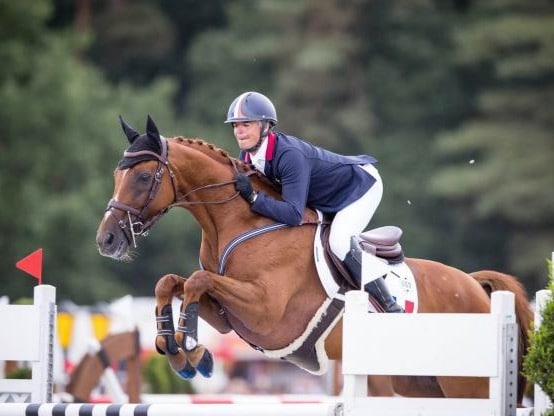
x=267 y=290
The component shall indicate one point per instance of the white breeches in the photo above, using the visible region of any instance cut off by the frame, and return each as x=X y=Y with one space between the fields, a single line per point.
x=354 y=218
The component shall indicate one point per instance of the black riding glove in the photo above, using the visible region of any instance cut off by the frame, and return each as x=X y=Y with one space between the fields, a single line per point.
x=244 y=188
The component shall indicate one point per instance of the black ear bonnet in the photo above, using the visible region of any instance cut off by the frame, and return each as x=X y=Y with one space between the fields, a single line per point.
x=151 y=141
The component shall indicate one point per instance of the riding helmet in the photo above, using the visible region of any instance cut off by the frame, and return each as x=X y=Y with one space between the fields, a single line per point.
x=251 y=106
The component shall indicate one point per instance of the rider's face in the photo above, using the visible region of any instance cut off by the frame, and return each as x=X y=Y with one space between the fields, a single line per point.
x=247 y=133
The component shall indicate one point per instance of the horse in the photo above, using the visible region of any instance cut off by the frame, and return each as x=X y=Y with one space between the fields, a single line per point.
x=258 y=278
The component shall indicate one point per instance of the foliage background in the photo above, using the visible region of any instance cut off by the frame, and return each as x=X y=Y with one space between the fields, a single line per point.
x=455 y=98
x=538 y=364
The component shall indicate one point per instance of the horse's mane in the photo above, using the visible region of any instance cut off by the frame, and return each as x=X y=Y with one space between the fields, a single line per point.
x=221 y=155
x=211 y=150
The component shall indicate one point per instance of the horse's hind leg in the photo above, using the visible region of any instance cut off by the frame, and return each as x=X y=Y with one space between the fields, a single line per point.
x=464 y=387
x=417 y=386
x=380 y=386
x=187 y=330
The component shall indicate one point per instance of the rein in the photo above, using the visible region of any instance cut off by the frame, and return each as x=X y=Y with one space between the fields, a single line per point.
x=135 y=224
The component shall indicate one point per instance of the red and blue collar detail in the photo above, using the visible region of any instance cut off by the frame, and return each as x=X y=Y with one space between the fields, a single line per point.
x=268 y=151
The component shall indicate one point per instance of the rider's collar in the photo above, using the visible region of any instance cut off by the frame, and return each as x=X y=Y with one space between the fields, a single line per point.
x=268 y=145
x=258 y=158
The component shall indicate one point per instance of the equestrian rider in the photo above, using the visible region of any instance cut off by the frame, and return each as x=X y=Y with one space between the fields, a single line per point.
x=348 y=188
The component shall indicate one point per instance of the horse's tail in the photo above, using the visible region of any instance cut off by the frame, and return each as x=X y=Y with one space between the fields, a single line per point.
x=492 y=281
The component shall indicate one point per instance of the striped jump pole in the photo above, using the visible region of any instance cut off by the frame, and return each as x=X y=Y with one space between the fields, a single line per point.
x=239 y=409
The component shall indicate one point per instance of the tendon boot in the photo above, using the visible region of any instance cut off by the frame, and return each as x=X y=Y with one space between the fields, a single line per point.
x=376 y=288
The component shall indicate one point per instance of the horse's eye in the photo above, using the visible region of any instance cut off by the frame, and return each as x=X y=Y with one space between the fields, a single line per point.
x=145 y=177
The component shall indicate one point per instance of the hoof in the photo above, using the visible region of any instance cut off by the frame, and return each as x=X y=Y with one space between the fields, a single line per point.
x=187 y=372
x=181 y=365
x=206 y=364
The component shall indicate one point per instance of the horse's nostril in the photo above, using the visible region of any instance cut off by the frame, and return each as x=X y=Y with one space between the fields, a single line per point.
x=108 y=240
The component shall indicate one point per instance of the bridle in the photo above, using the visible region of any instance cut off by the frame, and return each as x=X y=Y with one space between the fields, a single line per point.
x=136 y=224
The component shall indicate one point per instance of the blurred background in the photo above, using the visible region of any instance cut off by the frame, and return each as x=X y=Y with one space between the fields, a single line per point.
x=455 y=98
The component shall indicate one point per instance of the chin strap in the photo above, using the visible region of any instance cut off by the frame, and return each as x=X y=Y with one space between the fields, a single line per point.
x=263 y=135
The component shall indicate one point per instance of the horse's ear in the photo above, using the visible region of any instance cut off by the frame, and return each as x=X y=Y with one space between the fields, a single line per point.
x=128 y=130
x=152 y=130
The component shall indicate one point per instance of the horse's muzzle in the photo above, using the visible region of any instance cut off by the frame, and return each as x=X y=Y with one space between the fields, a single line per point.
x=110 y=239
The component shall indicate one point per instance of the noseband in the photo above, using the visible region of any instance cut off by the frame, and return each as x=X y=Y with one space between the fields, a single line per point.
x=136 y=223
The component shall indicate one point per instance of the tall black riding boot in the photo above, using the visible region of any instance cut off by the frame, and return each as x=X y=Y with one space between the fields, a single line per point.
x=376 y=288
x=379 y=290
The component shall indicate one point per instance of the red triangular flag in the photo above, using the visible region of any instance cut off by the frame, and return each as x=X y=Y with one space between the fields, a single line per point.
x=32 y=264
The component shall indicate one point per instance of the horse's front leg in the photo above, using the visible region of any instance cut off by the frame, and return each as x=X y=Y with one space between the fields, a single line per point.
x=167 y=287
x=187 y=330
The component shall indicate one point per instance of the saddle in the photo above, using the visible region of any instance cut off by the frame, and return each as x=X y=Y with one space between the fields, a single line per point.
x=382 y=242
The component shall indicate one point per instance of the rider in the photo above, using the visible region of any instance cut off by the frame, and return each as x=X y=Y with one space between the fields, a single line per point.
x=346 y=187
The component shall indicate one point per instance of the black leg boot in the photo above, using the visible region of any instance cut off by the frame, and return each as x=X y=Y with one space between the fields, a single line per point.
x=376 y=288
x=379 y=290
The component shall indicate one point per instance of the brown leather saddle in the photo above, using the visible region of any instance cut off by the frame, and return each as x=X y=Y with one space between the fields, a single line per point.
x=382 y=242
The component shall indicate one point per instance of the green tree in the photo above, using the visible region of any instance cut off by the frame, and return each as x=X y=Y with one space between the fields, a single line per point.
x=321 y=82
x=140 y=41
x=538 y=364
x=413 y=92
x=497 y=166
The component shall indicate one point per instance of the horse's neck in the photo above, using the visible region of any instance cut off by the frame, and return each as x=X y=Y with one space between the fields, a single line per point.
x=221 y=216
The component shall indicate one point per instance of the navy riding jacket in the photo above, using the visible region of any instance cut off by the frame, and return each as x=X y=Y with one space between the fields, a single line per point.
x=309 y=176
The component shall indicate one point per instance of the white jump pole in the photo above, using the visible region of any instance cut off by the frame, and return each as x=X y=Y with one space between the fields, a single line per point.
x=453 y=345
x=32 y=328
